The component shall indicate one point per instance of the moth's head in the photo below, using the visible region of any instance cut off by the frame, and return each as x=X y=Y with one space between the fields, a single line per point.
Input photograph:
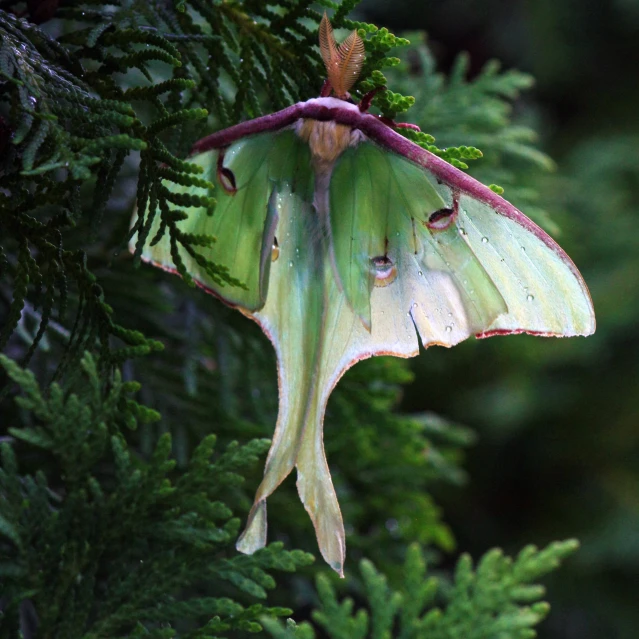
x=343 y=62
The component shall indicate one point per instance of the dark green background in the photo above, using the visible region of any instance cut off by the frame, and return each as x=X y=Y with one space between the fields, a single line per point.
x=558 y=420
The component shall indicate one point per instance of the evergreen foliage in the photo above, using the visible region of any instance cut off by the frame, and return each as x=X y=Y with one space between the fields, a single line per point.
x=110 y=541
x=478 y=113
x=115 y=522
x=497 y=599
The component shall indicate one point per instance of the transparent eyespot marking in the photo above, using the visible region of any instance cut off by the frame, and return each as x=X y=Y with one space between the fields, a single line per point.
x=441 y=220
x=384 y=270
x=275 y=251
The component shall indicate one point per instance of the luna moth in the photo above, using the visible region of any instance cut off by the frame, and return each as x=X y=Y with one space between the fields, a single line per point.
x=351 y=241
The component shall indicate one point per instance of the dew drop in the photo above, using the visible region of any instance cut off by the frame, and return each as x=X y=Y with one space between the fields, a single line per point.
x=523 y=248
x=462 y=231
x=449 y=329
x=484 y=240
x=392 y=526
x=420 y=274
x=450 y=314
x=290 y=264
x=414 y=304
x=530 y=297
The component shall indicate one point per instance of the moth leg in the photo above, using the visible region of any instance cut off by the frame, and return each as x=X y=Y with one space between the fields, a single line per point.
x=365 y=103
x=398 y=125
x=406 y=125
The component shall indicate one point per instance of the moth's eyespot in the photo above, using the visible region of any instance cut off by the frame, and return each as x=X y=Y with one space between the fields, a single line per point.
x=384 y=270
x=227 y=180
x=225 y=176
x=275 y=251
x=441 y=220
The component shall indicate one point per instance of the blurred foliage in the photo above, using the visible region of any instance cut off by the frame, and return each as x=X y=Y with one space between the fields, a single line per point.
x=486 y=603
x=98 y=107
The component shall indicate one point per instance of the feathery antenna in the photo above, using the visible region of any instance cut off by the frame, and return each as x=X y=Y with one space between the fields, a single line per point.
x=343 y=63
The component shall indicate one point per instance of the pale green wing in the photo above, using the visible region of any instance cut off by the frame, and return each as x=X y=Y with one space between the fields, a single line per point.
x=385 y=212
x=240 y=223
x=292 y=319
x=542 y=290
x=316 y=337
x=541 y=287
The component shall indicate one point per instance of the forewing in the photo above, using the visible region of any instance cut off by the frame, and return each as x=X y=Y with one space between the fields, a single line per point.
x=241 y=222
x=380 y=207
x=463 y=266
x=543 y=291
x=541 y=286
